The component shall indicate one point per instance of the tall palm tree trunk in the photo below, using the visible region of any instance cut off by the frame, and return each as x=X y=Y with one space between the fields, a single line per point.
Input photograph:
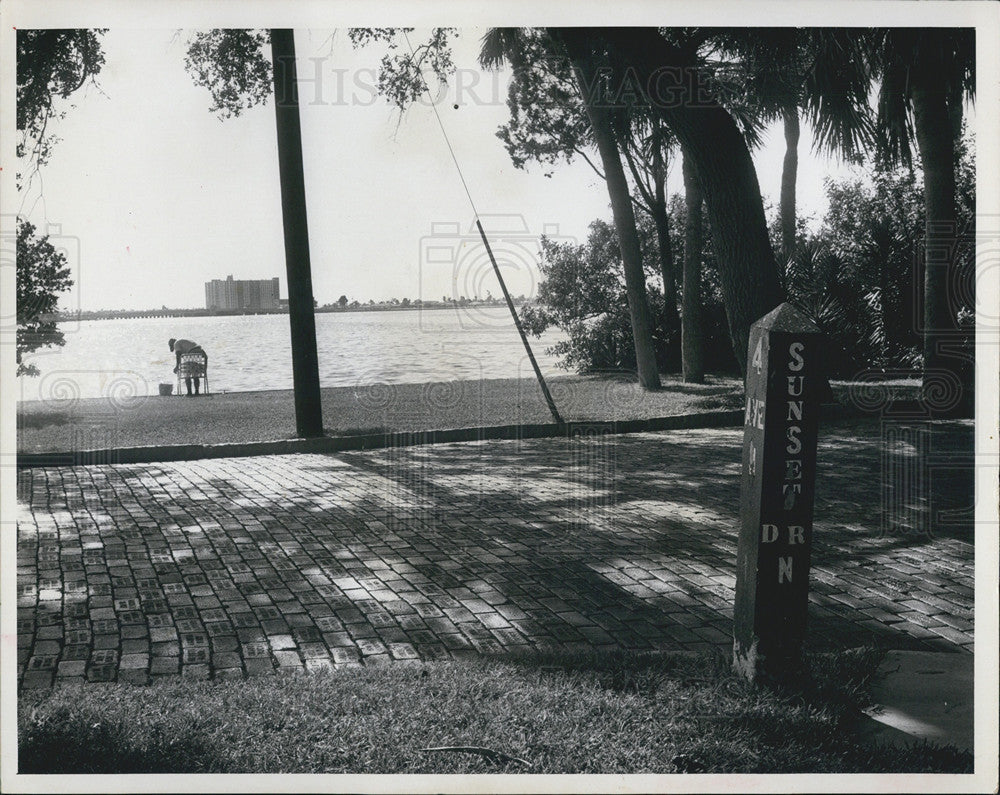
x=748 y=271
x=661 y=220
x=305 y=364
x=789 y=174
x=671 y=317
x=692 y=334
x=937 y=154
x=624 y=218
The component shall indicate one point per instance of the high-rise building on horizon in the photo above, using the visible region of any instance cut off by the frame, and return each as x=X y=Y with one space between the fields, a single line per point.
x=241 y=294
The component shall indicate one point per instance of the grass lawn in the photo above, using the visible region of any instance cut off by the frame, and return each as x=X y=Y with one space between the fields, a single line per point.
x=557 y=714
x=63 y=425
x=95 y=423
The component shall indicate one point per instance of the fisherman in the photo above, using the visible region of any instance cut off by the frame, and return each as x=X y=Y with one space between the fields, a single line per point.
x=190 y=370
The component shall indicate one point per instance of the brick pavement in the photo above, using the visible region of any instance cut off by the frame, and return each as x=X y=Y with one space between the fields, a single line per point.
x=247 y=567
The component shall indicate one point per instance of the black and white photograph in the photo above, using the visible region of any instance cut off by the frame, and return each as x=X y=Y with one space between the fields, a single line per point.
x=440 y=397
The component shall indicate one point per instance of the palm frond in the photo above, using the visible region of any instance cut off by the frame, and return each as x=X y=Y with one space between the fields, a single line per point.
x=499 y=45
x=836 y=85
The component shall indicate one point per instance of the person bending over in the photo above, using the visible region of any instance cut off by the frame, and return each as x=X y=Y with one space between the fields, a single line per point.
x=192 y=370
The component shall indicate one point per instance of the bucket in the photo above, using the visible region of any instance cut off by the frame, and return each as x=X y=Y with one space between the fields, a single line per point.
x=166 y=389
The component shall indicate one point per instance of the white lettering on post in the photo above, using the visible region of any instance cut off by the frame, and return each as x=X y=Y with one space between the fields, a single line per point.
x=790 y=490
x=754 y=415
x=795 y=351
x=796 y=535
x=784 y=570
x=768 y=533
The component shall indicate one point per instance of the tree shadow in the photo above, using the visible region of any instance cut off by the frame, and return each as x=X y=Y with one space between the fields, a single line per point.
x=71 y=744
x=604 y=542
x=38 y=420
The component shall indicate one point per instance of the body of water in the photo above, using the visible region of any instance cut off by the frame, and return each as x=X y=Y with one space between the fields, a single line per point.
x=124 y=358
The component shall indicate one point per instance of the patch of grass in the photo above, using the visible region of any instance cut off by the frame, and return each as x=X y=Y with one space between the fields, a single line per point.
x=560 y=714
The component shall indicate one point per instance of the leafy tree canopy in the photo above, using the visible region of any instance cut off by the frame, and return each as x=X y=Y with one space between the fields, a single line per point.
x=404 y=68
x=51 y=65
x=232 y=65
x=42 y=273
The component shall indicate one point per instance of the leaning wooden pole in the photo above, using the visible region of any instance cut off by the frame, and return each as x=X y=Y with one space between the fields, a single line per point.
x=305 y=362
x=520 y=329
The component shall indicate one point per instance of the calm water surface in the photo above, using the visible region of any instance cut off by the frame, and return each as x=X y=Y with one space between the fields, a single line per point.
x=122 y=358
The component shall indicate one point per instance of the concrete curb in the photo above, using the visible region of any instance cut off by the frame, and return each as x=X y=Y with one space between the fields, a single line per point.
x=373 y=441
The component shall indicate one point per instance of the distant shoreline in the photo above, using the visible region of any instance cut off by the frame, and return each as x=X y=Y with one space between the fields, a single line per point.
x=137 y=314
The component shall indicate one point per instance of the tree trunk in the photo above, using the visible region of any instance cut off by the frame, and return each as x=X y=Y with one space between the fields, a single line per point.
x=933 y=128
x=305 y=363
x=789 y=173
x=748 y=271
x=624 y=218
x=671 y=318
x=692 y=336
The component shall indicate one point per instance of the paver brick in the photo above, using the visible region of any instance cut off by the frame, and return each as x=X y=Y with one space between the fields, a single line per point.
x=344 y=655
x=402 y=651
x=227 y=659
x=134 y=646
x=280 y=642
x=195 y=655
x=134 y=661
x=494 y=620
x=162 y=634
x=324 y=558
x=198 y=671
x=160 y=666
x=36 y=679
x=47 y=647
x=370 y=647
x=288 y=659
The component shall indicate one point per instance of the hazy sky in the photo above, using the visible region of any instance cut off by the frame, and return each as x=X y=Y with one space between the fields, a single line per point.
x=153 y=195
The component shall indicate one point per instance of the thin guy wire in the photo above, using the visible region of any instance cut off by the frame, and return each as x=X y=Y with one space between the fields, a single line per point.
x=444 y=132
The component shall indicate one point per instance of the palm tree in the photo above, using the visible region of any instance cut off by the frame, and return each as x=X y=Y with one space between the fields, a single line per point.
x=650 y=61
x=516 y=45
x=820 y=73
x=692 y=331
x=927 y=75
x=233 y=66
x=646 y=146
x=601 y=123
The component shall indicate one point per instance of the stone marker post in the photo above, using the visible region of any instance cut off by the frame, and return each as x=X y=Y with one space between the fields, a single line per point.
x=784 y=387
